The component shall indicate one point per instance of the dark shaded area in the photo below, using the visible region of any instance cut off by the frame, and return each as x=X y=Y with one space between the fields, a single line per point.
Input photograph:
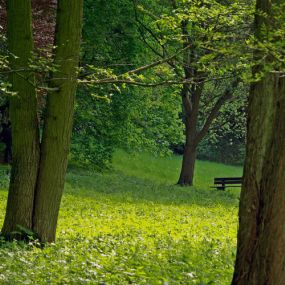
x=5 y=133
x=177 y=148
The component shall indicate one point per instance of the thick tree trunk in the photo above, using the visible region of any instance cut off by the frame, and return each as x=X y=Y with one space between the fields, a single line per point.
x=261 y=236
x=23 y=115
x=259 y=133
x=58 y=121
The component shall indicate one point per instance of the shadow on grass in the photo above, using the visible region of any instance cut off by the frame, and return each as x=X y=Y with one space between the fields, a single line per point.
x=121 y=188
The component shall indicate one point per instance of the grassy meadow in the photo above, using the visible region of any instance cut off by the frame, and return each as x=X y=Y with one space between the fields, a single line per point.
x=133 y=226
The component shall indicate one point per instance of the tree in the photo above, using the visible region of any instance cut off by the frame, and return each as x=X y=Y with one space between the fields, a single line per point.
x=212 y=46
x=59 y=118
x=39 y=168
x=23 y=116
x=261 y=236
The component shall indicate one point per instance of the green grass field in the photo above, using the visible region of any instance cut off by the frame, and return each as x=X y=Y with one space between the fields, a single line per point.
x=133 y=226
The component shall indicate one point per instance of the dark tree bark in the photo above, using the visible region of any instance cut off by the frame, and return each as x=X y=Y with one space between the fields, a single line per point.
x=58 y=121
x=7 y=140
x=38 y=171
x=261 y=236
x=188 y=164
x=191 y=95
x=191 y=112
x=23 y=117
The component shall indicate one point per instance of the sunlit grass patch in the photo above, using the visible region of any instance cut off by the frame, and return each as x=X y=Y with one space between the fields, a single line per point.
x=133 y=226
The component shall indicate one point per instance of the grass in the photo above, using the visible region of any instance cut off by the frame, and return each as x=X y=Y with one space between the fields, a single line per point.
x=133 y=226
x=165 y=170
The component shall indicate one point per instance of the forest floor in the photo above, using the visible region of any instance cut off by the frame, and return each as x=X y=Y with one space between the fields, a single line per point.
x=133 y=226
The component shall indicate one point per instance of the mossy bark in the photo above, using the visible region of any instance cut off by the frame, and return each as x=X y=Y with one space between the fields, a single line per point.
x=23 y=115
x=261 y=235
x=38 y=170
x=59 y=119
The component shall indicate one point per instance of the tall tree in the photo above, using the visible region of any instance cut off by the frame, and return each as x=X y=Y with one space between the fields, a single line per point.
x=261 y=236
x=23 y=115
x=38 y=169
x=191 y=94
x=201 y=31
x=59 y=118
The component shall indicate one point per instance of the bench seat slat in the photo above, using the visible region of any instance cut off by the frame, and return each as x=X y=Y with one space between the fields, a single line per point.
x=229 y=182
x=228 y=177
x=223 y=182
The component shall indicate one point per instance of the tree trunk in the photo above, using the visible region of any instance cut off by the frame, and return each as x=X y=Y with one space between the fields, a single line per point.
x=191 y=112
x=188 y=164
x=261 y=236
x=59 y=119
x=23 y=115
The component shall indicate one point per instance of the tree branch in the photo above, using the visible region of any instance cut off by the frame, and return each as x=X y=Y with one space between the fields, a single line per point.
x=159 y=62
x=228 y=94
x=132 y=82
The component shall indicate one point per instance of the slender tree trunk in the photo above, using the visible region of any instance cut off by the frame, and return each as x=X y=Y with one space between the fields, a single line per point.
x=23 y=115
x=191 y=112
x=193 y=135
x=188 y=163
x=261 y=236
x=190 y=101
x=59 y=119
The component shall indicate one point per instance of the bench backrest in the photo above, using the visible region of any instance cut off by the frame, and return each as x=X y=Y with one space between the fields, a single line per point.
x=228 y=180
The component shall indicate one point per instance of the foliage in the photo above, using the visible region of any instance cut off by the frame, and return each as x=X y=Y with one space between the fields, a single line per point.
x=225 y=141
x=215 y=33
x=218 y=32
x=267 y=44
x=137 y=118
x=120 y=228
x=113 y=115
x=152 y=121
x=108 y=47
x=94 y=132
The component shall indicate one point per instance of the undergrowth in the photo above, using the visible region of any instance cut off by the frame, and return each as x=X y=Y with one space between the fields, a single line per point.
x=133 y=226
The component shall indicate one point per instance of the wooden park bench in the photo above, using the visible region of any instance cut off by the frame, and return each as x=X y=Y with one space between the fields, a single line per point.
x=223 y=183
